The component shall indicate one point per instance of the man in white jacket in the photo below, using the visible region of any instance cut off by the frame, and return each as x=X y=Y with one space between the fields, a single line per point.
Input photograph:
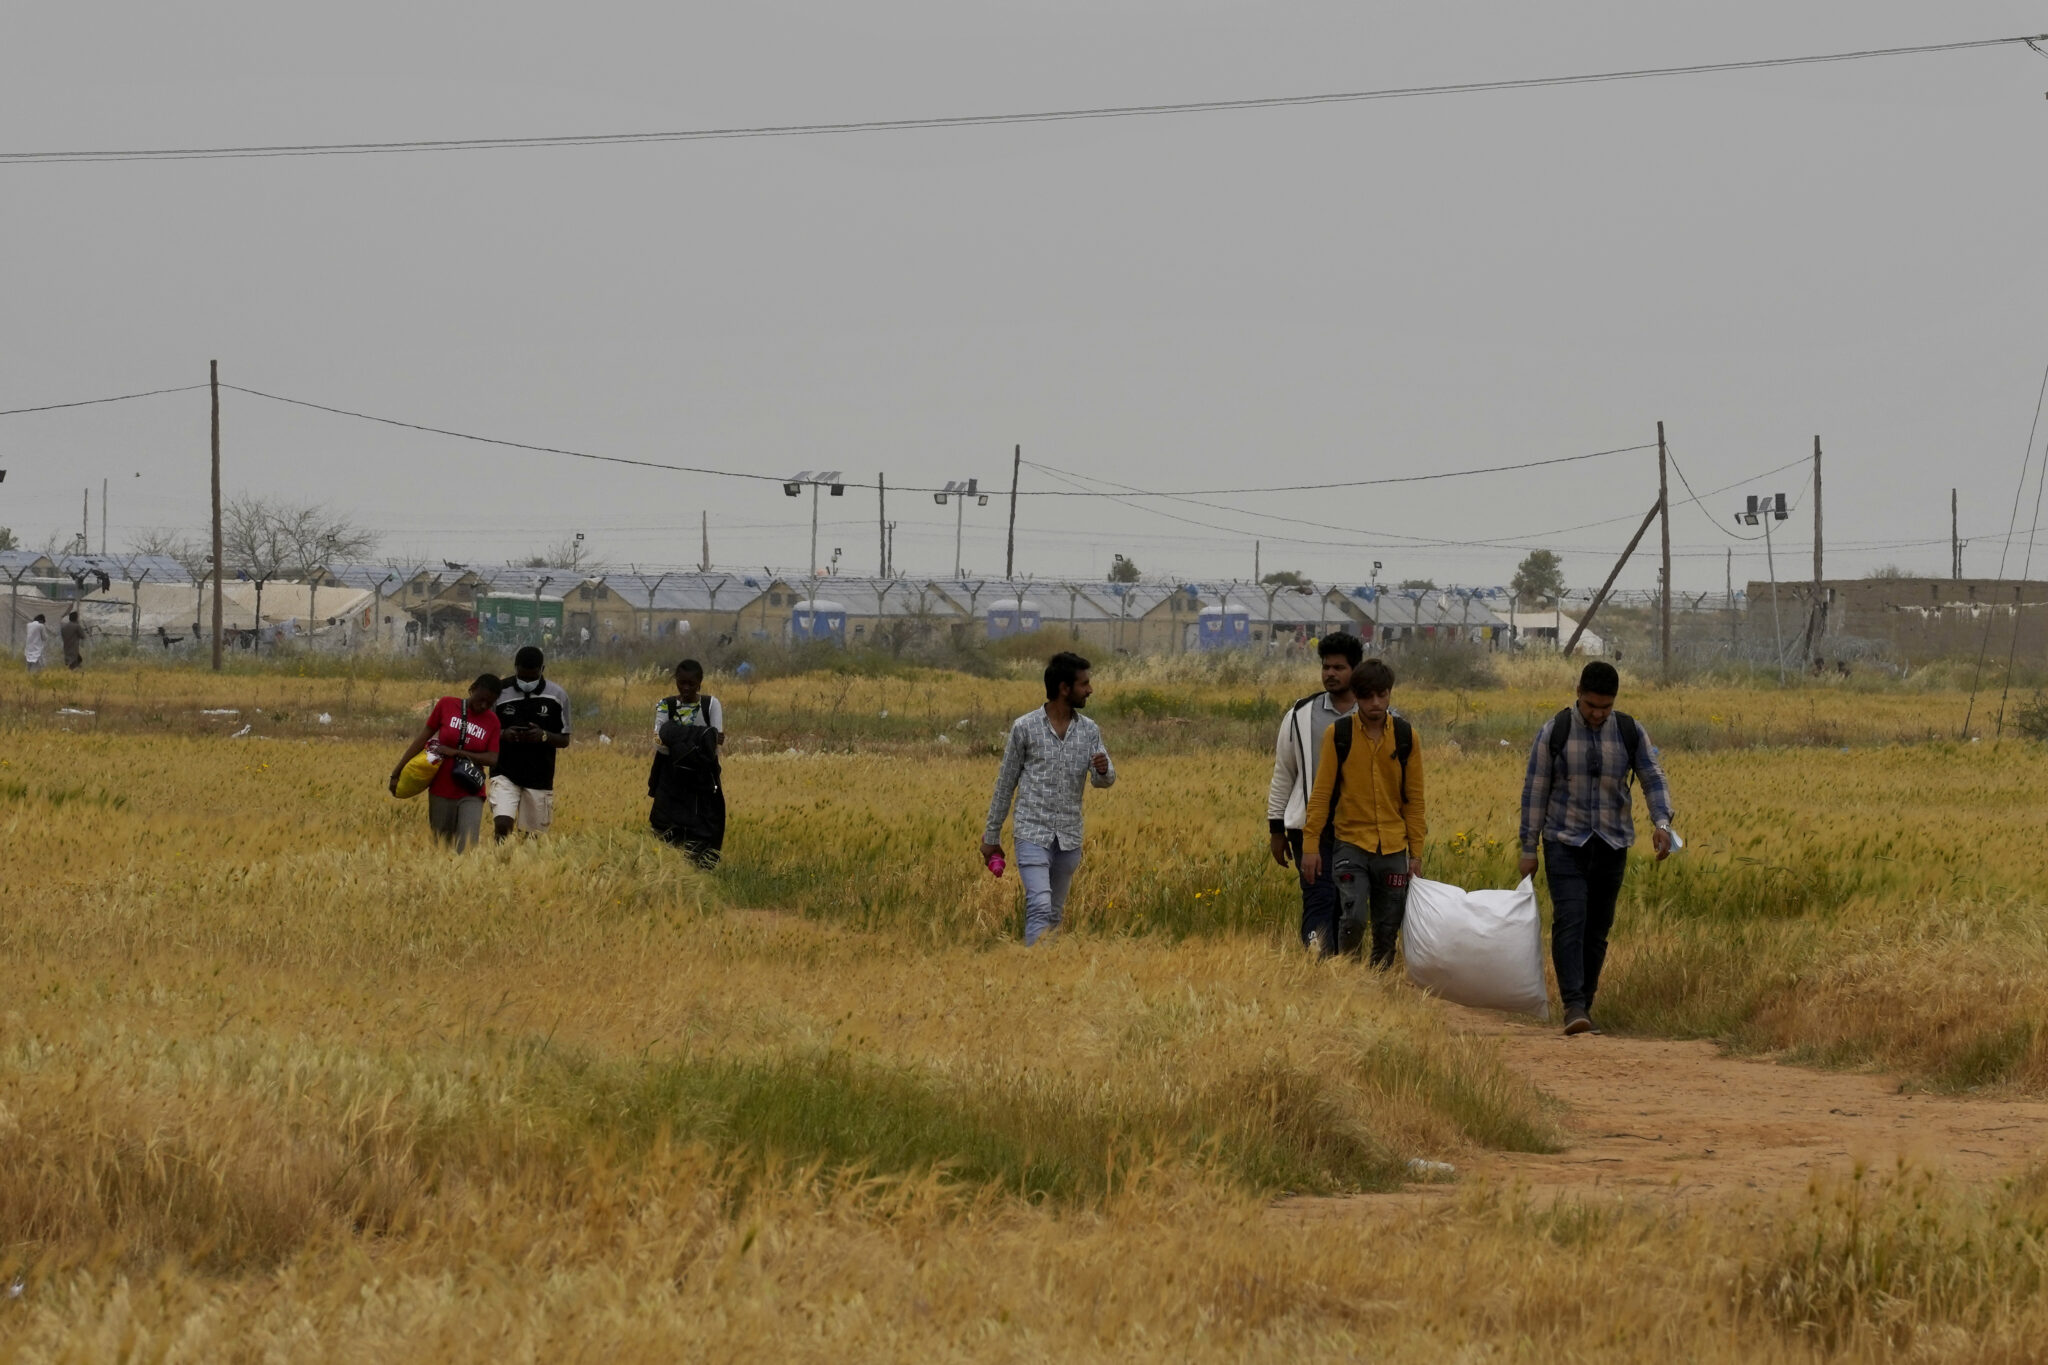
x=1294 y=776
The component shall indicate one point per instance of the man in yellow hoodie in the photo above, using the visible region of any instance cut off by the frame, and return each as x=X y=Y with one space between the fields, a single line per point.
x=1369 y=779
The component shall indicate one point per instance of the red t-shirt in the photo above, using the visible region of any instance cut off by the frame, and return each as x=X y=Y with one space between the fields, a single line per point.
x=477 y=732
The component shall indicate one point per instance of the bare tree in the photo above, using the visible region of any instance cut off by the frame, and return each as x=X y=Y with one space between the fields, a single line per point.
x=265 y=540
x=566 y=553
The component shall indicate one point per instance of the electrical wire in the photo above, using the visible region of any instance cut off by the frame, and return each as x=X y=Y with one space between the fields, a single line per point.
x=2027 y=565
x=855 y=483
x=984 y=120
x=89 y=402
x=1984 y=645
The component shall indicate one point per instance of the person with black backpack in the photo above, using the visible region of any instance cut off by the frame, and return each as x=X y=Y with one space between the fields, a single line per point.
x=686 y=781
x=1576 y=807
x=1369 y=784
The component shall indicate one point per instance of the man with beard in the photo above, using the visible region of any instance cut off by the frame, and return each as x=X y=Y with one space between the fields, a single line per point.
x=533 y=720
x=1294 y=777
x=1054 y=753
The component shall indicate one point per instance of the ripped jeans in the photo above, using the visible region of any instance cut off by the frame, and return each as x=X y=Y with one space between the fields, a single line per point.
x=1373 y=889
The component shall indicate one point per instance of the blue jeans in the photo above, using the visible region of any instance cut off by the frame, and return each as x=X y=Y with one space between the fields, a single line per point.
x=1584 y=883
x=1319 y=898
x=1046 y=874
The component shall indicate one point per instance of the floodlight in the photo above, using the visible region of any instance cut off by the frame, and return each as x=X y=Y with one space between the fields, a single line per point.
x=792 y=489
x=838 y=490
x=939 y=498
x=981 y=501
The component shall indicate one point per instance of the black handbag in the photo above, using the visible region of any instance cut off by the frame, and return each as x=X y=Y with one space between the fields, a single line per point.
x=466 y=772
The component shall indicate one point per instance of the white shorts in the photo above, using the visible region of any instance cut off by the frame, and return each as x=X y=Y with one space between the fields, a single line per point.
x=533 y=809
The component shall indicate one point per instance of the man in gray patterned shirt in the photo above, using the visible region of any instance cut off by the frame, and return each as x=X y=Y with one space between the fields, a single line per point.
x=1053 y=754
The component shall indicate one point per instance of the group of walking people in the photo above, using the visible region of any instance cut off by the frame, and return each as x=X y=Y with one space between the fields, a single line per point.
x=70 y=634
x=497 y=745
x=1347 y=810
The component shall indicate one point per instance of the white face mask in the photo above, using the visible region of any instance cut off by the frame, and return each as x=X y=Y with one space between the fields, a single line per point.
x=528 y=688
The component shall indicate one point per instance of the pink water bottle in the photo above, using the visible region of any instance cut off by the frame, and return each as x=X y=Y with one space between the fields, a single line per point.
x=996 y=865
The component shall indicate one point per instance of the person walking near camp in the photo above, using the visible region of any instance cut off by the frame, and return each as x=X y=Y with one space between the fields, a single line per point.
x=533 y=724
x=1053 y=754
x=73 y=636
x=32 y=647
x=686 y=782
x=461 y=732
x=688 y=705
x=1368 y=784
x=1294 y=768
x=1576 y=808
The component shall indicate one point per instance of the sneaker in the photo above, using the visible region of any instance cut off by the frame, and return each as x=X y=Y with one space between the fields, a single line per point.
x=1577 y=1021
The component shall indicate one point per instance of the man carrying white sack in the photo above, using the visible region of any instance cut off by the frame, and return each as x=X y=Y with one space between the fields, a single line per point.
x=1576 y=807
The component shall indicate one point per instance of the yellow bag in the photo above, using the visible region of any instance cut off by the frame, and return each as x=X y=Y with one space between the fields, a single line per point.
x=417 y=775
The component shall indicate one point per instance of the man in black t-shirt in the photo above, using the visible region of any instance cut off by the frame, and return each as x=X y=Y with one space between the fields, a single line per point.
x=533 y=719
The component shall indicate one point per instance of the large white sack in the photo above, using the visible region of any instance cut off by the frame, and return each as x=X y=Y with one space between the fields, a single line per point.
x=1482 y=948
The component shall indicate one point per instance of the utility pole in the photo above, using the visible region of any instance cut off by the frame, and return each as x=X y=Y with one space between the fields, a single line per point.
x=84 y=521
x=704 y=525
x=1729 y=569
x=882 y=522
x=213 y=383
x=103 y=516
x=1955 y=544
x=1010 y=555
x=1819 y=614
x=1258 y=577
x=1664 y=504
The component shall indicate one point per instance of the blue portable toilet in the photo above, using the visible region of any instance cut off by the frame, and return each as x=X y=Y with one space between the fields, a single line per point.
x=818 y=619
x=1224 y=627
x=1009 y=616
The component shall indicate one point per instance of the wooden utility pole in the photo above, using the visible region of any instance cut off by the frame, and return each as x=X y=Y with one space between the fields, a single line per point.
x=213 y=384
x=882 y=520
x=1010 y=554
x=1955 y=544
x=1819 y=614
x=1612 y=574
x=1664 y=510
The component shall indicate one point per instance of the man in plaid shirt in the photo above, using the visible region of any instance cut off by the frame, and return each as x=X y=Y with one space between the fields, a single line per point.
x=1053 y=755
x=1576 y=806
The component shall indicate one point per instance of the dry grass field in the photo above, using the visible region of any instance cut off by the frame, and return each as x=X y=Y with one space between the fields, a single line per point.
x=279 y=1080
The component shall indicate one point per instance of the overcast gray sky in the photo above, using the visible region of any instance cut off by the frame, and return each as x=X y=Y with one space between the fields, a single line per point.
x=1222 y=299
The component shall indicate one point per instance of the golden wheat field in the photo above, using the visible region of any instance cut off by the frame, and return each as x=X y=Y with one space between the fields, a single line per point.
x=279 y=1080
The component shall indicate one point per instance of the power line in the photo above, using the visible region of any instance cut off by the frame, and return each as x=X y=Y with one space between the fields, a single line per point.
x=855 y=483
x=982 y=120
x=89 y=402
x=2012 y=525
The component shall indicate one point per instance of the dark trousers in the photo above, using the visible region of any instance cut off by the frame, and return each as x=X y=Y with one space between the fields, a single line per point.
x=1319 y=898
x=1373 y=888
x=1584 y=884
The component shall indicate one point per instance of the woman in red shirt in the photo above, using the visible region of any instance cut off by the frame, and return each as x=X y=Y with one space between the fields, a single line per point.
x=458 y=727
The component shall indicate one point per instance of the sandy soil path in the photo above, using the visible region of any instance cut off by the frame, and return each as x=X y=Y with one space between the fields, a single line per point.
x=1679 y=1119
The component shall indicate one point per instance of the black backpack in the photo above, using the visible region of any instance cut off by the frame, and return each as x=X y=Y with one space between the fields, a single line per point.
x=1561 y=733
x=1404 y=745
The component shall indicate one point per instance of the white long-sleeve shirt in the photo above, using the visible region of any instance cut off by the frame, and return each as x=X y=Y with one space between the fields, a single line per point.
x=1294 y=759
x=32 y=651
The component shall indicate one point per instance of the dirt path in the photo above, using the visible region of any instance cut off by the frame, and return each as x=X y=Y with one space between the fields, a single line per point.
x=1682 y=1120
